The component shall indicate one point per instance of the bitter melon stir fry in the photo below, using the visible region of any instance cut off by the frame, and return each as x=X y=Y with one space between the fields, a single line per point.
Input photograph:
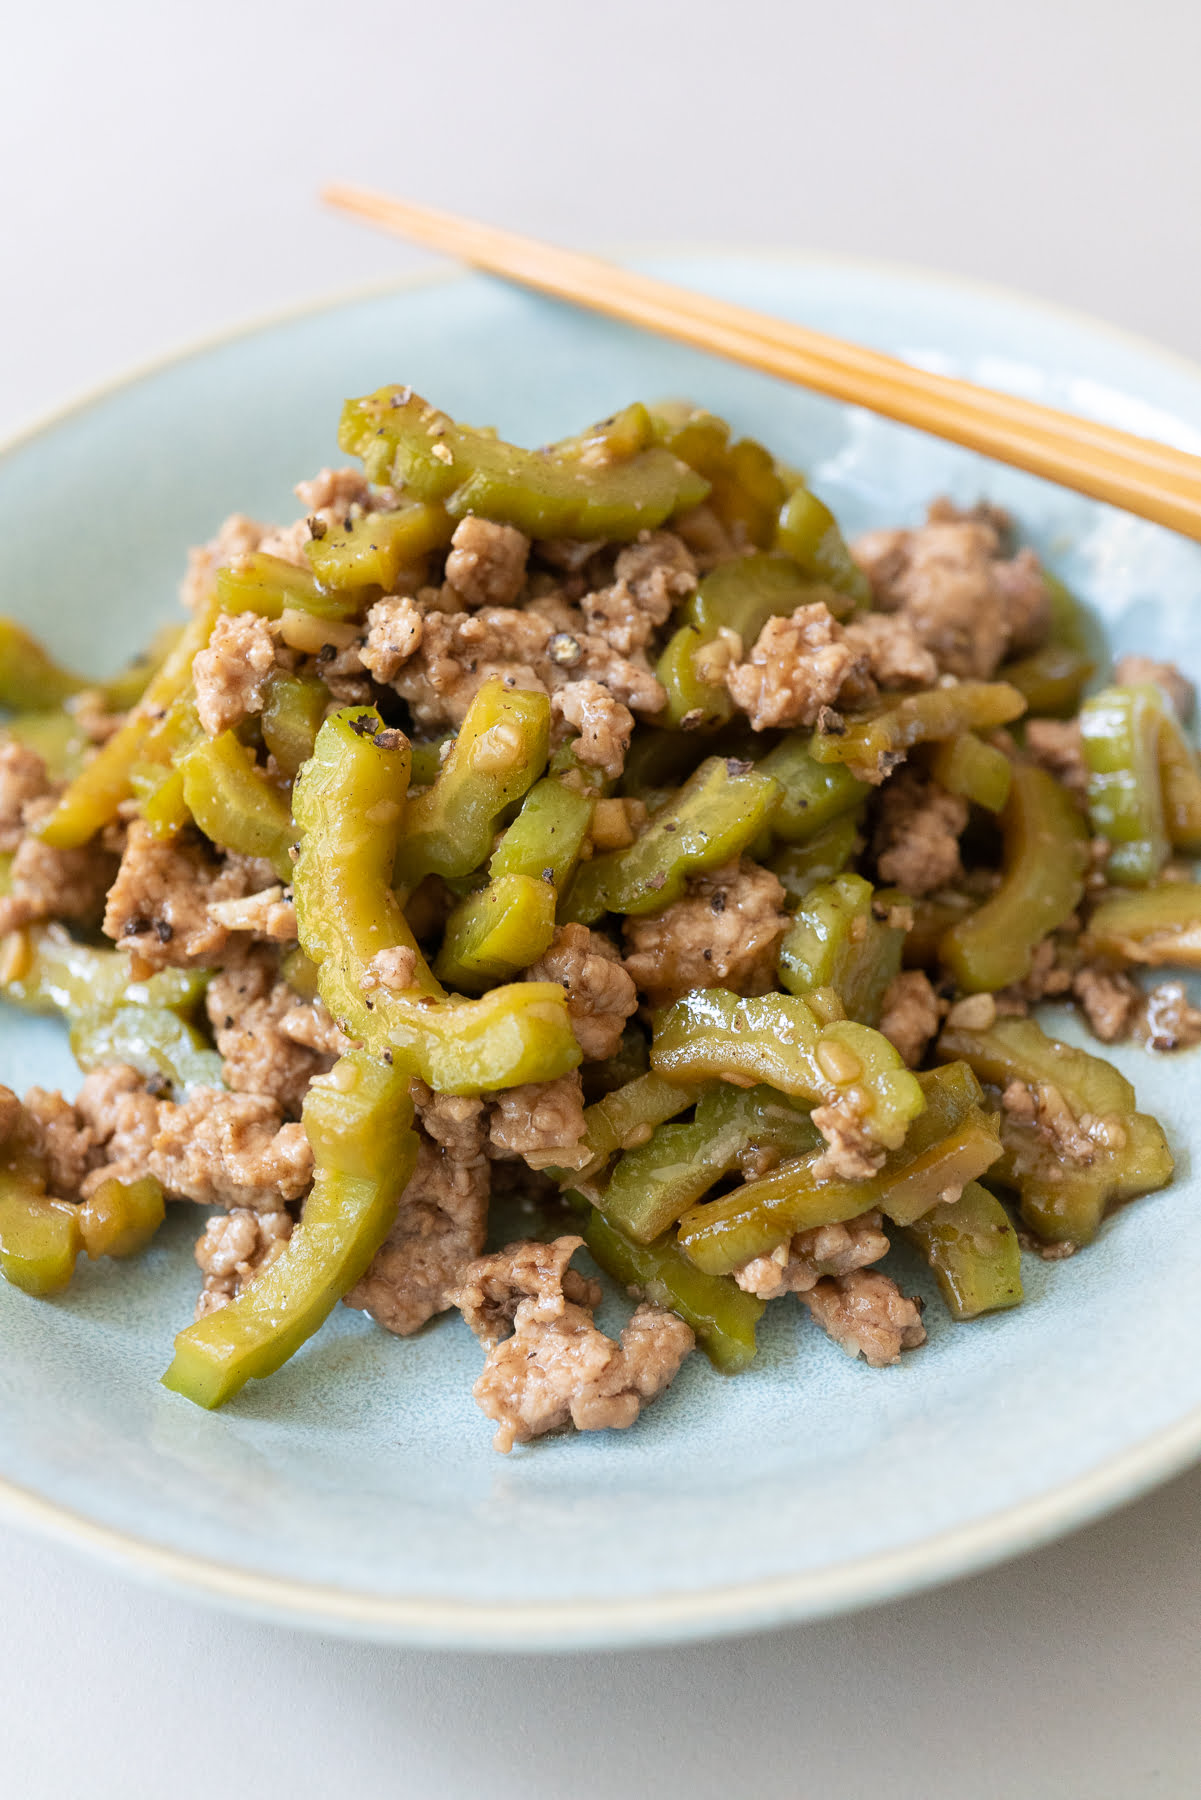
x=591 y=828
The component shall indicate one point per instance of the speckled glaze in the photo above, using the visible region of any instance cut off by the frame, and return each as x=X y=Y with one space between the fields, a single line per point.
x=357 y=1490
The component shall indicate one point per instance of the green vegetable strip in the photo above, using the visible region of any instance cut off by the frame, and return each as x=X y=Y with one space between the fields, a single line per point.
x=360 y=1121
x=653 y=1184
x=269 y=586
x=235 y=805
x=1180 y=782
x=813 y=795
x=491 y=935
x=808 y=532
x=627 y=1117
x=349 y=804
x=151 y=1039
x=1153 y=926
x=716 y=814
x=1046 y=855
x=974 y=1252
x=745 y=487
x=30 y=679
x=836 y=941
x=407 y=443
x=1121 y=729
x=373 y=549
x=57 y=975
x=293 y=708
x=721 y=1315
x=90 y=802
x=712 y=1034
x=497 y=757
x=1051 y=680
x=951 y=1142
x=1063 y=1198
x=872 y=746
x=39 y=1236
x=799 y=868
x=977 y=771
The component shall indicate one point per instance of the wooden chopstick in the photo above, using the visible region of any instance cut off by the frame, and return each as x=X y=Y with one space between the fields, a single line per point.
x=1155 y=480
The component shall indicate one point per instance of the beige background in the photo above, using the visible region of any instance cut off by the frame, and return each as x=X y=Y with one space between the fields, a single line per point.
x=157 y=166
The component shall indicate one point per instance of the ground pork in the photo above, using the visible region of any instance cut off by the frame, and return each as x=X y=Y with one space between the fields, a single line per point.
x=486 y=564
x=867 y=1315
x=122 y=1118
x=1109 y=1001
x=334 y=491
x=392 y=968
x=894 y=654
x=967 y=603
x=440 y=1223
x=394 y=631
x=46 y=883
x=10 y=1113
x=23 y=779
x=1167 y=1020
x=916 y=840
x=247 y=1004
x=724 y=932
x=649 y=578
x=458 y=653
x=235 y=1249
x=852 y=1153
x=159 y=902
x=826 y=1250
x=603 y=724
x=601 y=996
x=236 y=537
x=797 y=667
x=494 y=1286
x=230 y=1150
x=268 y=914
x=231 y=673
x=1043 y=1109
x=51 y=1130
x=909 y=1014
x=557 y=1367
x=543 y=1121
x=1057 y=746
x=1176 y=686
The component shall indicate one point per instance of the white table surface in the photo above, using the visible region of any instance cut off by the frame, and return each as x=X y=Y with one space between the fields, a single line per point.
x=157 y=169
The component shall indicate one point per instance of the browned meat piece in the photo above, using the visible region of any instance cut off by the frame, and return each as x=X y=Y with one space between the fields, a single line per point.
x=725 y=932
x=966 y=603
x=394 y=632
x=827 y=1250
x=159 y=902
x=231 y=674
x=916 y=840
x=459 y=652
x=23 y=779
x=237 y=536
x=649 y=577
x=55 y=884
x=393 y=968
x=247 y=1005
x=1057 y=746
x=894 y=654
x=123 y=1120
x=867 y=1315
x=1169 y=1021
x=603 y=723
x=543 y=1122
x=797 y=667
x=852 y=1153
x=334 y=492
x=909 y=1014
x=234 y=1250
x=441 y=1221
x=486 y=564
x=558 y=1368
x=10 y=1113
x=1178 y=687
x=494 y=1286
x=708 y=538
x=600 y=994
x=1108 y=1000
x=50 y=1128
x=1044 y=1109
x=266 y=914
x=230 y=1150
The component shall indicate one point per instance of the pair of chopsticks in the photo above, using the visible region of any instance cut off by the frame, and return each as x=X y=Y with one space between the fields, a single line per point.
x=1138 y=474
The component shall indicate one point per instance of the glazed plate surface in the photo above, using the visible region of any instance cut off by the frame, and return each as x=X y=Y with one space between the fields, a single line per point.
x=357 y=1491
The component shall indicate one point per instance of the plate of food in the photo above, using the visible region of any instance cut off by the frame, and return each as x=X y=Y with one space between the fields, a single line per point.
x=663 y=955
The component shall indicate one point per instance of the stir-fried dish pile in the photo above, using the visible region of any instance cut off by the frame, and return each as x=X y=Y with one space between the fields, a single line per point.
x=591 y=828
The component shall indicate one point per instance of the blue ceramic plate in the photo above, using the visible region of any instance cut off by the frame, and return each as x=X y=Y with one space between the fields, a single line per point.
x=357 y=1490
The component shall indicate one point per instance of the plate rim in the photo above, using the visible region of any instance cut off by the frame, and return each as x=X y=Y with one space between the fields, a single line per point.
x=669 y=1616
